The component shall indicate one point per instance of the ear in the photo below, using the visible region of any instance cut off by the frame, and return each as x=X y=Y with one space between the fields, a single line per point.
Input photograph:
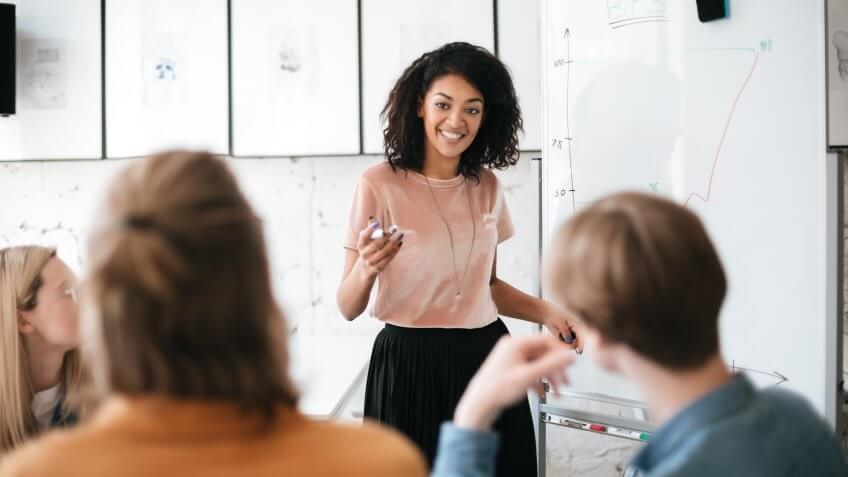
x=593 y=339
x=420 y=107
x=600 y=348
x=25 y=323
x=608 y=354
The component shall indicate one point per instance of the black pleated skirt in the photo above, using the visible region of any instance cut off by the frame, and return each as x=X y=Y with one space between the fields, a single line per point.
x=417 y=376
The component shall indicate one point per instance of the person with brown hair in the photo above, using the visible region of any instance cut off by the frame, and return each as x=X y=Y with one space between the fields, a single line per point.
x=188 y=347
x=645 y=286
x=643 y=280
x=41 y=371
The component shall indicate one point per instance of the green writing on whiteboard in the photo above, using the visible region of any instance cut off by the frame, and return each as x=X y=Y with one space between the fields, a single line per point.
x=766 y=45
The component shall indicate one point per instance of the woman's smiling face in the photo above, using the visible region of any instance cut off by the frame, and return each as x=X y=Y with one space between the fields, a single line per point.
x=452 y=112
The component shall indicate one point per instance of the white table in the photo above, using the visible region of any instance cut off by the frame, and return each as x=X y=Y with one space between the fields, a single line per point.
x=327 y=369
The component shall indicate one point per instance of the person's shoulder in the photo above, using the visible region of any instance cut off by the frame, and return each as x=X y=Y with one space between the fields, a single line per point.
x=778 y=431
x=405 y=457
x=791 y=406
x=488 y=176
x=389 y=437
x=802 y=436
x=51 y=454
x=797 y=415
x=382 y=450
x=488 y=182
x=382 y=172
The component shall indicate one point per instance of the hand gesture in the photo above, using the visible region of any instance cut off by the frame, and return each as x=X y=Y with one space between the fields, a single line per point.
x=376 y=253
x=514 y=366
x=560 y=325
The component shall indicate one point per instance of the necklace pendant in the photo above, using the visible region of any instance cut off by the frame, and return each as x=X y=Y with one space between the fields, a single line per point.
x=458 y=297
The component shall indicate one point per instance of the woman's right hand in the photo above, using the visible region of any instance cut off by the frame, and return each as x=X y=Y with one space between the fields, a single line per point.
x=376 y=254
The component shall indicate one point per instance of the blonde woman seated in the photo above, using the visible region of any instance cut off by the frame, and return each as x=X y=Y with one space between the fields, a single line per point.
x=188 y=346
x=39 y=362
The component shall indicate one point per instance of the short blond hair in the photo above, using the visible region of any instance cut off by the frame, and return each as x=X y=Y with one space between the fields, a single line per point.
x=180 y=288
x=642 y=271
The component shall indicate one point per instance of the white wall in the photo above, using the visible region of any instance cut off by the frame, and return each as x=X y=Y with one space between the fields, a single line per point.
x=304 y=203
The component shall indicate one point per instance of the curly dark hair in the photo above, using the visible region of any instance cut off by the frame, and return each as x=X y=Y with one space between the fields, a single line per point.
x=496 y=143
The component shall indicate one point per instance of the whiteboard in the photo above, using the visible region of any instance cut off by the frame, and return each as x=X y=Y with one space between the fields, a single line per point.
x=295 y=77
x=166 y=76
x=726 y=117
x=518 y=40
x=59 y=107
x=394 y=33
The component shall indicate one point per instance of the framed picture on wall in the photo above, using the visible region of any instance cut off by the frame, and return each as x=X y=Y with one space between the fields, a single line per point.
x=166 y=76
x=394 y=33
x=58 y=86
x=518 y=47
x=295 y=77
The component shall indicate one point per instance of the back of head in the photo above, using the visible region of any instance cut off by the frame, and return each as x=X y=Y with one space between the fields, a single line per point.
x=178 y=298
x=20 y=280
x=642 y=271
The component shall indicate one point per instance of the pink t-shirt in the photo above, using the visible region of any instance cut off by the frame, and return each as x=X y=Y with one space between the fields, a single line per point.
x=418 y=288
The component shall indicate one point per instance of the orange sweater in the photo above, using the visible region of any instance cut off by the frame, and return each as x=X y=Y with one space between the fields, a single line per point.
x=163 y=437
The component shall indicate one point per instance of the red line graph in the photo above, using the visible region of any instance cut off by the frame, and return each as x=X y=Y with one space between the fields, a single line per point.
x=706 y=198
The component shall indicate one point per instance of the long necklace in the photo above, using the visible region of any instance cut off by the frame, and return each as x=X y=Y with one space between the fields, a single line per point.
x=459 y=281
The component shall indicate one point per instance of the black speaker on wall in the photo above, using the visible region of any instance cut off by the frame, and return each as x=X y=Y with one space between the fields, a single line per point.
x=7 y=59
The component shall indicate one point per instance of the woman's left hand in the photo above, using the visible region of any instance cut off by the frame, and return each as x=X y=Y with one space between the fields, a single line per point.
x=560 y=325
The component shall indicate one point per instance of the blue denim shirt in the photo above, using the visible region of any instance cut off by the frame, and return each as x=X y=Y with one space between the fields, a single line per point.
x=738 y=430
x=734 y=430
x=465 y=453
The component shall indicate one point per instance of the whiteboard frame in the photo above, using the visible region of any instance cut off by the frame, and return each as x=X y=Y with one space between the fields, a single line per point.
x=834 y=394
